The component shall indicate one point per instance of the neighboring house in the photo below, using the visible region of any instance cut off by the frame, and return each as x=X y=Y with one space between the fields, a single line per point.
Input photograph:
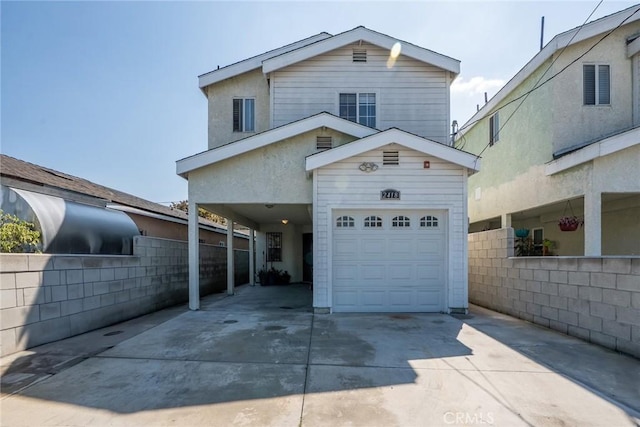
x=335 y=151
x=571 y=145
x=77 y=216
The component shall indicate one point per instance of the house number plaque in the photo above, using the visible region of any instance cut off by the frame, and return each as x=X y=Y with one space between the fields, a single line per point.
x=389 y=194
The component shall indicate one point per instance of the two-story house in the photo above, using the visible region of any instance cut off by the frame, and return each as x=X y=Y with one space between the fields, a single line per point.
x=562 y=138
x=335 y=152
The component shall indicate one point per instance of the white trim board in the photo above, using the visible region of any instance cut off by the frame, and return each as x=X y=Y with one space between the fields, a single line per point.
x=353 y=36
x=397 y=136
x=184 y=166
x=597 y=149
x=253 y=63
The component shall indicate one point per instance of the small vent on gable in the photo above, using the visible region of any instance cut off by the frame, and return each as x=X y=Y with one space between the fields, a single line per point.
x=324 y=142
x=359 y=55
x=390 y=158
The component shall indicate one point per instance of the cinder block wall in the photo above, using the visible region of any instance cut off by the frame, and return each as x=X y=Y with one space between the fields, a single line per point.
x=593 y=298
x=45 y=298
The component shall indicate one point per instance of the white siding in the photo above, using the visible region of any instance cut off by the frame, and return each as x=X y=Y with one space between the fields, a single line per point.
x=411 y=95
x=342 y=185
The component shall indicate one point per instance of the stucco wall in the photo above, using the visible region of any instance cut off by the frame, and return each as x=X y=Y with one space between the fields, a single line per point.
x=220 y=106
x=342 y=184
x=45 y=298
x=593 y=298
x=272 y=174
x=575 y=123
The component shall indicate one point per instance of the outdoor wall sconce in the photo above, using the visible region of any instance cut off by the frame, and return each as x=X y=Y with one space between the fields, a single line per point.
x=368 y=167
x=268 y=206
x=285 y=221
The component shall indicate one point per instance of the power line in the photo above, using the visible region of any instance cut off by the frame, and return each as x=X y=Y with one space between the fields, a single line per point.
x=536 y=87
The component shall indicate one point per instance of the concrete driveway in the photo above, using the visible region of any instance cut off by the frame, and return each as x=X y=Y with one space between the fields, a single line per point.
x=261 y=358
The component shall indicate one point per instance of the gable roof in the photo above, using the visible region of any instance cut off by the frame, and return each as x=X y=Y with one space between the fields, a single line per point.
x=20 y=170
x=214 y=155
x=254 y=62
x=353 y=36
x=559 y=42
x=321 y=43
x=397 y=136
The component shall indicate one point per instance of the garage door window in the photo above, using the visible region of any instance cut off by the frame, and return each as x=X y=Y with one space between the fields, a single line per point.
x=345 y=221
x=401 y=221
x=373 y=222
x=428 y=221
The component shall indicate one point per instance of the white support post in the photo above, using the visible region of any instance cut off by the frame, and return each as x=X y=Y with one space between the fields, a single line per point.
x=194 y=257
x=252 y=259
x=230 y=265
x=592 y=223
x=505 y=220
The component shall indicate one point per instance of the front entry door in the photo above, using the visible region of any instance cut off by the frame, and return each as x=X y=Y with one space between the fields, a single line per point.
x=307 y=257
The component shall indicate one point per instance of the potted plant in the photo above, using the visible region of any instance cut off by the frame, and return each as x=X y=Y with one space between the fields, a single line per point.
x=547 y=246
x=569 y=223
x=521 y=233
x=273 y=276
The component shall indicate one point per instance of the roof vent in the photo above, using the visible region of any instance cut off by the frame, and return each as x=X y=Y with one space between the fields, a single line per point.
x=324 y=142
x=359 y=55
x=390 y=158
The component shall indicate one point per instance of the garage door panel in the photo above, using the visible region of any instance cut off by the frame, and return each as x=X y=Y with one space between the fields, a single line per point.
x=389 y=269
x=428 y=272
x=402 y=271
x=372 y=298
x=372 y=271
x=345 y=247
x=401 y=298
x=346 y=299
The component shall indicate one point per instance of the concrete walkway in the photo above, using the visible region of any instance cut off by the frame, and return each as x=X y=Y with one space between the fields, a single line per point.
x=261 y=358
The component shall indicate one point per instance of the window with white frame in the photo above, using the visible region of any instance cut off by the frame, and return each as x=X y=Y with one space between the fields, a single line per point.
x=244 y=114
x=358 y=107
x=373 y=222
x=401 y=221
x=428 y=221
x=494 y=128
x=596 y=79
x=538 y=240
x=345 y=221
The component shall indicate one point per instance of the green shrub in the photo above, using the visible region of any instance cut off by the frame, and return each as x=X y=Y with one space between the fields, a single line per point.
x=17 y=236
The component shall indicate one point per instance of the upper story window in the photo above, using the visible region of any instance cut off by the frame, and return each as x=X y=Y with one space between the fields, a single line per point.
x=244 y=114
x=597 y=84
x=359 y=108
x=494 y=128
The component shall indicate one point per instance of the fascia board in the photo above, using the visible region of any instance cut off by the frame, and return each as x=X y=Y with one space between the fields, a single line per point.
x=340 y=40
x=558 y=42
x=188 y=164
x=633 y=47
x=253 y=63
x=373 y=142
x=599 y=149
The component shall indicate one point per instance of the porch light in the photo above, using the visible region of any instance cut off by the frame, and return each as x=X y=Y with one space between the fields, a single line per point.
x=268 y=206
x=285 y=221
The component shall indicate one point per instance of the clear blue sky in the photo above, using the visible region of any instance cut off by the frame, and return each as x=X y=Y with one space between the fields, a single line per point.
x=108 y=91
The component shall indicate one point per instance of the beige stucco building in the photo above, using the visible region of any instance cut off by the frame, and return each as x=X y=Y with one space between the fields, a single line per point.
x=335 y=152
x=562 y=138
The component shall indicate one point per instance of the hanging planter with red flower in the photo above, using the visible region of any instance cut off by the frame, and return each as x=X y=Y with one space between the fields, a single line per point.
x=569 y=222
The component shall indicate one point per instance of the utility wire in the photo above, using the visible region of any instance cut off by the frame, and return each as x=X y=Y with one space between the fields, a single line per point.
x=526 y=94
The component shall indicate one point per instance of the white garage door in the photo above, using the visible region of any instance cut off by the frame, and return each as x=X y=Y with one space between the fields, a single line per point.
x=389 y=261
